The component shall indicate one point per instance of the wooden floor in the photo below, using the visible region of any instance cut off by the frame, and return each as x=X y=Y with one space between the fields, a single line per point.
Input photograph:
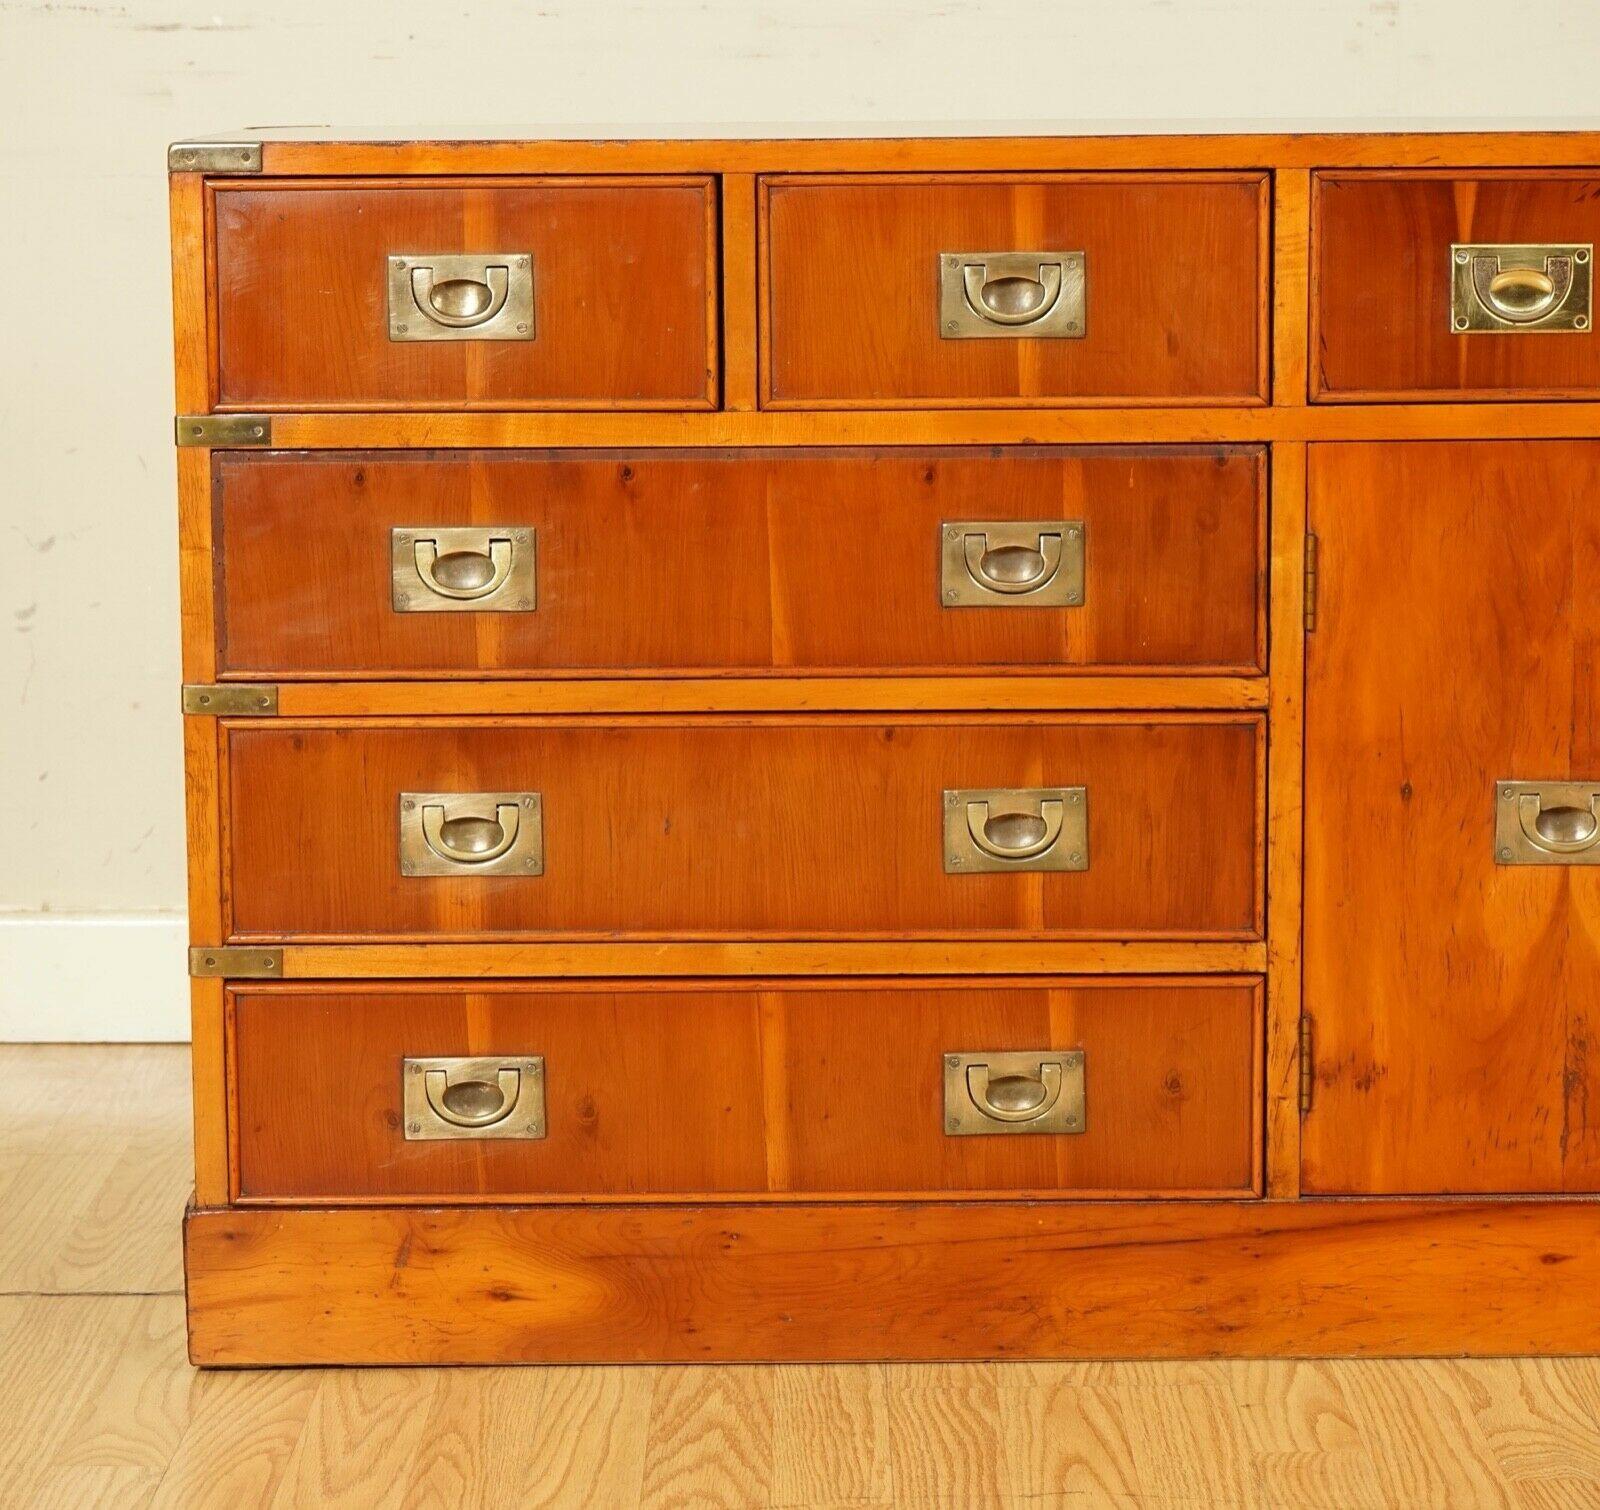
x=100 y=1407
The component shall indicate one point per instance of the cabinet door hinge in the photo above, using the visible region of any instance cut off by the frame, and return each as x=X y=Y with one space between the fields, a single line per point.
x=1305 y=1065
x=1311 y=583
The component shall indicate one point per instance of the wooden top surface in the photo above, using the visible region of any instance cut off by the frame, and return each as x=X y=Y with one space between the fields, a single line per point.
x=1019 y=145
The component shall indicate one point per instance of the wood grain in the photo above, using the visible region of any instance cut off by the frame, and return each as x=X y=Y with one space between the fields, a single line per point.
x=811 y=828
x=1453 y=999
x=740 y=337
x=795 y=562
x=935 y=426
x=723 y=1088
x=1291 y=298
x=1383 y=279
x=1175 y=305
x=880 y=693
x=625 y=292
x=1051 y=146
x=399 y=1285
x=1285 y=819
x=607 y=960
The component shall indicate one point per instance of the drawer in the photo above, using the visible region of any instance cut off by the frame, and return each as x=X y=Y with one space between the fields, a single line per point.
x=780 y=827
x=1014 y=290
x=1389 y=296
x=746 y=1088
x=501 y=294
x=808 y=561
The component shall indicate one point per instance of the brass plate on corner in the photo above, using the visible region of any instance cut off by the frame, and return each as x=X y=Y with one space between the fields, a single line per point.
x=479 y=296
x=473 y=1098
x=1521 y=288
x=230 y=699
x=1011 y=563
x=235 y=962
x=471 y=834
x=1013 y=296
x=223 y=432
x=1032 y=1091
x=214 y=157
x=478 y=569
x=992 y=829
x=1547 y=823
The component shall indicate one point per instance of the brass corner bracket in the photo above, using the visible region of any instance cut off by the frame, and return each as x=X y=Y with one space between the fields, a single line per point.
x=214 y=157
x=209 y=963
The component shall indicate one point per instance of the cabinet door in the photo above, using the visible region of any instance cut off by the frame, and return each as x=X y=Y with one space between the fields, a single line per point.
x=1453 y=998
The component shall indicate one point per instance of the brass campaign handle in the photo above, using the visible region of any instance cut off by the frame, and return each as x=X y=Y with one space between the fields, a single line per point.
x=1560 y=829
x=472 y=1102
x=1015 y=1097
x=1012 y=298
x=1016 y=834
x=463 y=301
x=464 y=574
x=470 y=838
x=1011 y=567
x=1521 y=295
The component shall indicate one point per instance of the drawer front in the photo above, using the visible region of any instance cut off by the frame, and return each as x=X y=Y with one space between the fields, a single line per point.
x=616 y=290
x=802 y=562
x=1396 y=315
x=770 y=1087
x=873 y=290
x=1143 y=825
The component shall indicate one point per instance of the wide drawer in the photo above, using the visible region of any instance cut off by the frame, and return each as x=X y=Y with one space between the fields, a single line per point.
x=1461 y=286
x=1057 y=826
x=991 y=289
x=503 y=294
x=1100 y=1087
x=537 y=562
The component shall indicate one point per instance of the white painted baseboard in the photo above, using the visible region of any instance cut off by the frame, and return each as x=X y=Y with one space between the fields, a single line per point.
x=94 y=978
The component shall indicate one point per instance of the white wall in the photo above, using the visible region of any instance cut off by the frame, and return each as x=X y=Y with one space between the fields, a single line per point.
x=90 y=795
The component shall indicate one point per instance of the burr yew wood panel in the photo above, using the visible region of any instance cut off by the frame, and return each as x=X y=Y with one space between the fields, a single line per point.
x=1453 y=997
x=1175 y=290
x=768 y=827
x=1382 y=278
x=1018 y=1280
x=764 y=561
x=624 y=293
x=724 y=1088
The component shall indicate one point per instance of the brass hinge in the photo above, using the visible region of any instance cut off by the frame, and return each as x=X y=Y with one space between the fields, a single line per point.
x=236 y=963
x=1311 y=583
x=214 y=157
x=1305 y=1065
x=223 y=432
x=231 y=699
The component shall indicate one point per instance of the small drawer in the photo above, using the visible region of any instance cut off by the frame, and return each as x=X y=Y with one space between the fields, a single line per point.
x=514 y=564
x=498 y=294
x=1455 y=286
x=1049 y=826
x=502 y=1092
x=997 y=289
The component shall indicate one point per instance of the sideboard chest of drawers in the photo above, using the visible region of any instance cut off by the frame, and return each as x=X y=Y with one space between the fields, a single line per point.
x=891 y=748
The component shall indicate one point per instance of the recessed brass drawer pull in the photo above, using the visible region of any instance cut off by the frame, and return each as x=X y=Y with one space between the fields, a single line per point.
x=1012 y=294
x=1547 y=823
x=1517 y=287
x=483 y=569
x=471 y=833
x=473 y=1098
x=1011 y=563
x=1004 y=828
x=486 y=296
x=1011 y=1092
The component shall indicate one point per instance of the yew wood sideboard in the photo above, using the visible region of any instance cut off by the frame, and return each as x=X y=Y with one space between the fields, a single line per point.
x=891 y=748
